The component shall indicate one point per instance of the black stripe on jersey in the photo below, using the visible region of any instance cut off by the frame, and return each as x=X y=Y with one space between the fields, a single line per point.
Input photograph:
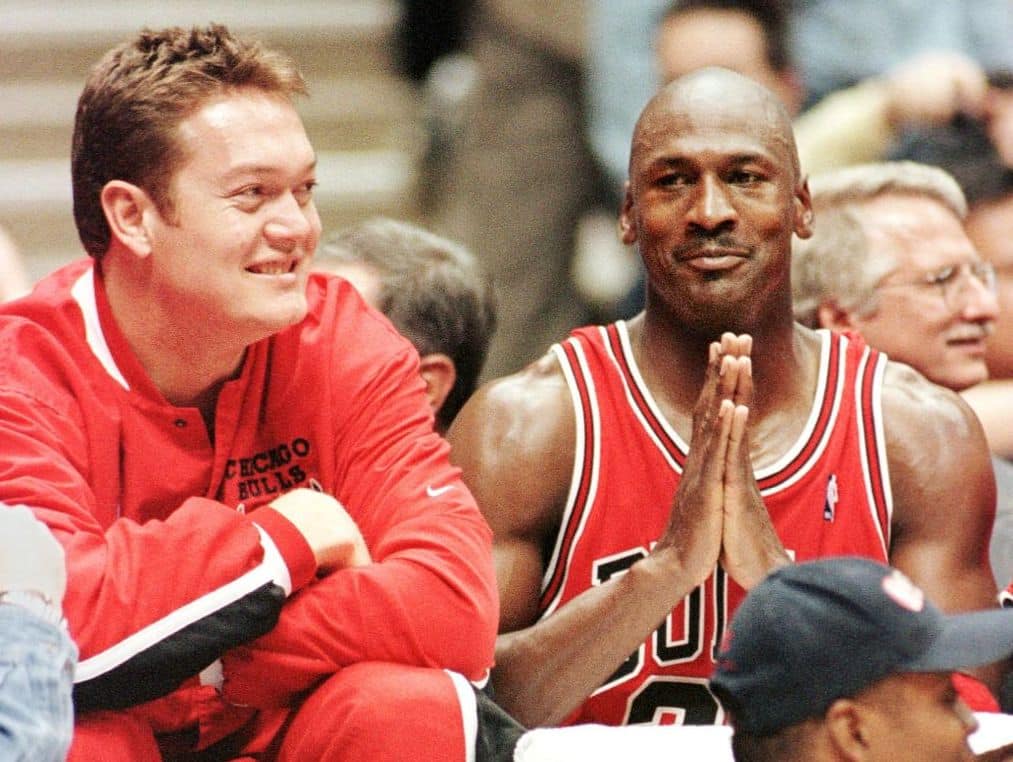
x=160 y=669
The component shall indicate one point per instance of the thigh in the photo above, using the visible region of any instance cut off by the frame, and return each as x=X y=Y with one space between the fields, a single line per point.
x=380 y=712
x=112 y=737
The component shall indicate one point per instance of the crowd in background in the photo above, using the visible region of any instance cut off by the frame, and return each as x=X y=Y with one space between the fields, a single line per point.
x=903 y=118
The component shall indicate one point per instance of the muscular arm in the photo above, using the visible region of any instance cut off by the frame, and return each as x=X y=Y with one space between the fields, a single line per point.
x=943 y=493
x=515 y=442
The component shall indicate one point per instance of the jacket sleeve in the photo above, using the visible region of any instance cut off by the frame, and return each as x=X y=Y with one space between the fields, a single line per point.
x=151 y=604
x=428 y=599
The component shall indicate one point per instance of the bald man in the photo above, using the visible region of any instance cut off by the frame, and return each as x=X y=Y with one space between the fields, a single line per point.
x=642 y=476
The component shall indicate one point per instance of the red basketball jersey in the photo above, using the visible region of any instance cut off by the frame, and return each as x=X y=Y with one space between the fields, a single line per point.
x=828 y=495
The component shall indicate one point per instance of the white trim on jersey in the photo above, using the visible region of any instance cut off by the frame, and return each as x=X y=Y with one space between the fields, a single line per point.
x=877 y=412
x=624 y=341
x=83 y=292
x=819 y=401
x=578 y=461
x=469 y=713
x=197 y=609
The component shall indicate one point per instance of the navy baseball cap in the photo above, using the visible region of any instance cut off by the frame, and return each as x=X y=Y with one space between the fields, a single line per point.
x=815 y=632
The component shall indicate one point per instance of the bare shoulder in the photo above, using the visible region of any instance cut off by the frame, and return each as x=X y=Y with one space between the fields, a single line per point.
x=918 y=411
x=943 y=490
x=940 y=465
x=514 y=441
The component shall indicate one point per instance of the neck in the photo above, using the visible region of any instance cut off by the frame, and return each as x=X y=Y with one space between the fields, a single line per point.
x=675 y=353
x=187 y=359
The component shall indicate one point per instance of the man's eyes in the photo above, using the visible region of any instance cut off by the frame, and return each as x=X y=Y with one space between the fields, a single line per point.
x=942 y=277
x=737 y=177
x=744 y=176
x=304 y=193
x=257 y=193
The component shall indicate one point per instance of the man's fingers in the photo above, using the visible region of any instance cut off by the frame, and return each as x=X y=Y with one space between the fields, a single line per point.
x=744 y=382
x=736 y=450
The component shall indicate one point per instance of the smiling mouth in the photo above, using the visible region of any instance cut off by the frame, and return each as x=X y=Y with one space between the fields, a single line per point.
x=272 y=268
x=716 y=260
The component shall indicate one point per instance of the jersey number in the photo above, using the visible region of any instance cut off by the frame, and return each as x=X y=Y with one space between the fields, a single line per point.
x=662 y=699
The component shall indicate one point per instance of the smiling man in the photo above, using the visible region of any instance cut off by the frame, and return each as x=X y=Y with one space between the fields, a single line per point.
x=889 y=258
x=269 y=554
x=643 y=475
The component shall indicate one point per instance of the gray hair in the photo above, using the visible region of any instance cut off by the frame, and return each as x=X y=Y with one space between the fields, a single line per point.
x=432 y=290
x=836 y=264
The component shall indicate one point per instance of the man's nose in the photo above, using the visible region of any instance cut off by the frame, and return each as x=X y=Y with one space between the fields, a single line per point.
x=712 y=208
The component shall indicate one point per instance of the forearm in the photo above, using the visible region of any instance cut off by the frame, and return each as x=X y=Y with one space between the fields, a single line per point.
x=544 y=672
x=145 y=626
x=427 y=607
x=36 y=671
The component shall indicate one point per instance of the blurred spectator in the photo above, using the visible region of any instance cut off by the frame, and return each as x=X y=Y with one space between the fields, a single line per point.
x=13 y=278
x=427 y=31
x=930 y=48
x=889 y=259
x=434 y=293
x=521 y=175
x=838 y=44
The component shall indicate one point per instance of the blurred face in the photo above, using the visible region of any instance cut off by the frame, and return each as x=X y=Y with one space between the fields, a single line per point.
x=235 y=251
x=916 y=717
x=990 y=228
x=712 y=202
x=731 y=39
x=933 y=313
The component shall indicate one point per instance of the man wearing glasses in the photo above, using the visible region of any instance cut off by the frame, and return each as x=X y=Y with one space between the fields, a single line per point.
x=890 y=260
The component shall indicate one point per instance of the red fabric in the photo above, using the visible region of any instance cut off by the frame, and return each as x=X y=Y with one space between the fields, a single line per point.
x=154 y=516
x=828 y=498
x=975 y=693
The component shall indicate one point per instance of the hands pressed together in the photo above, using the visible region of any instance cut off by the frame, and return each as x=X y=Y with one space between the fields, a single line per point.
x=718 y=515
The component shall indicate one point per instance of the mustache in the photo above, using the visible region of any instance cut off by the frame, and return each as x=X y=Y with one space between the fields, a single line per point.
x=972 y=332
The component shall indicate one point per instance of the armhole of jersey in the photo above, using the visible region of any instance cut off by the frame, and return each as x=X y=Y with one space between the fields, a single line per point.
x=584 y=477
x=872 y=442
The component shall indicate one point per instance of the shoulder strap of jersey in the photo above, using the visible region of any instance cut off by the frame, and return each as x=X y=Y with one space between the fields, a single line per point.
x=571 y=355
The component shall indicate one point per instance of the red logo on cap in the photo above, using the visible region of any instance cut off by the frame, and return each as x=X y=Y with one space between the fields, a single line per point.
x=903 y=591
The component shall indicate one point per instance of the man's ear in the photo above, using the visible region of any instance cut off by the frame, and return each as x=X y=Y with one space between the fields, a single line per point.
x=847 y=730
x=627 y=222
x=835 y=317
x=128 y=209
x=440 y=374
x=803 y=208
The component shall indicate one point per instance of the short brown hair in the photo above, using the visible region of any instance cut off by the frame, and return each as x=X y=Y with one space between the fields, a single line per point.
x=136 y=96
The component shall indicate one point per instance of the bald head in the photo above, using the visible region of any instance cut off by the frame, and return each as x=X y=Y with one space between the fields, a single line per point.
x=721 y=98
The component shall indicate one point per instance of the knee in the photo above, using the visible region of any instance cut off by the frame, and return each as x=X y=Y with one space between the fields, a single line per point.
x=112 y=736
x=380 y=711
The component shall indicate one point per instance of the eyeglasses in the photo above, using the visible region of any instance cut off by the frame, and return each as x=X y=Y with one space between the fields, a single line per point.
x=954 y=281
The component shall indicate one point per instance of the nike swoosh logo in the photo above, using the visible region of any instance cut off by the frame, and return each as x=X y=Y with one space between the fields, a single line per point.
x=437 y=491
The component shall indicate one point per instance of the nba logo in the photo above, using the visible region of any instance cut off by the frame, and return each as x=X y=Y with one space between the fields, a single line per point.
x=830 y=506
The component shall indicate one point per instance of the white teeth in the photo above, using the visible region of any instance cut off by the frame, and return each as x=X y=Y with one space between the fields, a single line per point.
x=270 y=270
